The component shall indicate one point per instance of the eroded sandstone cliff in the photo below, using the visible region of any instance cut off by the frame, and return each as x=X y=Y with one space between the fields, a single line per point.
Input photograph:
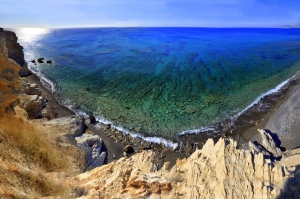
x=217 y=171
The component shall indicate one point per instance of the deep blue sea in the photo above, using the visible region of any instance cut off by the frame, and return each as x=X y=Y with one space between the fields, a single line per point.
x=163 y=81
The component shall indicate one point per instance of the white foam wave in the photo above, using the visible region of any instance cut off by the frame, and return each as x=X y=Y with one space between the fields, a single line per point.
x=159 y=140
x=256 y=101
x=259 y=98
x=43 y=78
x=52 y=84
x=195 y=131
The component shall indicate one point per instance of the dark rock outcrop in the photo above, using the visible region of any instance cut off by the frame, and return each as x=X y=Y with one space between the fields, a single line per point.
x=81 y=127
x=92 y=119
x=3 y=49
x=41 y=60
x=266 y=145
x=24 y=72
x=32 y=89
x=15 y=50
x=128 y=149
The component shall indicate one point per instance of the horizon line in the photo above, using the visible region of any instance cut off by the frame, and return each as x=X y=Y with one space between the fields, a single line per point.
x=81 y=27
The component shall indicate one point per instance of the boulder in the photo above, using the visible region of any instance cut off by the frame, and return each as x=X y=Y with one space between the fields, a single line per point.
x=49 y=62
x=33 y=61
x=24 y=72
x=32 y=89
x=92 y=119
x=40 y=60
x=97 y=157
x=92 y=146
x=34 y=109
x=269 y=144
x=87 y=140
x=80 y=127
x=255 y=148
x=33 y=104
x=128 y=149
x=49 y=113
x=33 y=98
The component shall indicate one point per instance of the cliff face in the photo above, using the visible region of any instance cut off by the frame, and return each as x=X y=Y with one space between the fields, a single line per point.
x=217 y=171
x=9 y=79
x=15 y=50
x=10 y=48
x=3 y=49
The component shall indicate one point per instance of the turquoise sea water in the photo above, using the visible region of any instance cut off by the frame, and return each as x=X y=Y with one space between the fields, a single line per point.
x=163 y=81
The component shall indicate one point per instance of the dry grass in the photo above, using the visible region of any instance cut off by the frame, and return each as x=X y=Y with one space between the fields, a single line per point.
x=29 y=152
x=9 y=82
x=31 y=141
x=22 y=143
x=34 y=184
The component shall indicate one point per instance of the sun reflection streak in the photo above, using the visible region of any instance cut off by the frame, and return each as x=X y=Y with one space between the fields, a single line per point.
x=31 y=34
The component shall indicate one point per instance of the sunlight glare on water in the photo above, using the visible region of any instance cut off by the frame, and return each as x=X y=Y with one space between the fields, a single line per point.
x=31 y=34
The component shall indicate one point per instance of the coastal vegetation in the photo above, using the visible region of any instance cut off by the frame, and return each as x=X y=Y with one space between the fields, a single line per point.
x=29 y=152
x=9 y=83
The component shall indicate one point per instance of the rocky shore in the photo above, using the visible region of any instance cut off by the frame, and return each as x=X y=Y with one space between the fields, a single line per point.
x=116 y=165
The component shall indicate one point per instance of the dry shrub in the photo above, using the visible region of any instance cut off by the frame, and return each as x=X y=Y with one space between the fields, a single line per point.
x=37 y=183
x=45 y=186
x=32 y=146
x=79 y=158
x=9 y=82
x=33 y=143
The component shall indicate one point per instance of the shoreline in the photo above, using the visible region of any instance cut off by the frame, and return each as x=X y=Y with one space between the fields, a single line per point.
x=114 y=140
x=244 y=127
x=51 y=100
x=241 y=127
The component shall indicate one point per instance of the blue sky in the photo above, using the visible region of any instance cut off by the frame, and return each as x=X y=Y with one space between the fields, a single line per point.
x=153 y=13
